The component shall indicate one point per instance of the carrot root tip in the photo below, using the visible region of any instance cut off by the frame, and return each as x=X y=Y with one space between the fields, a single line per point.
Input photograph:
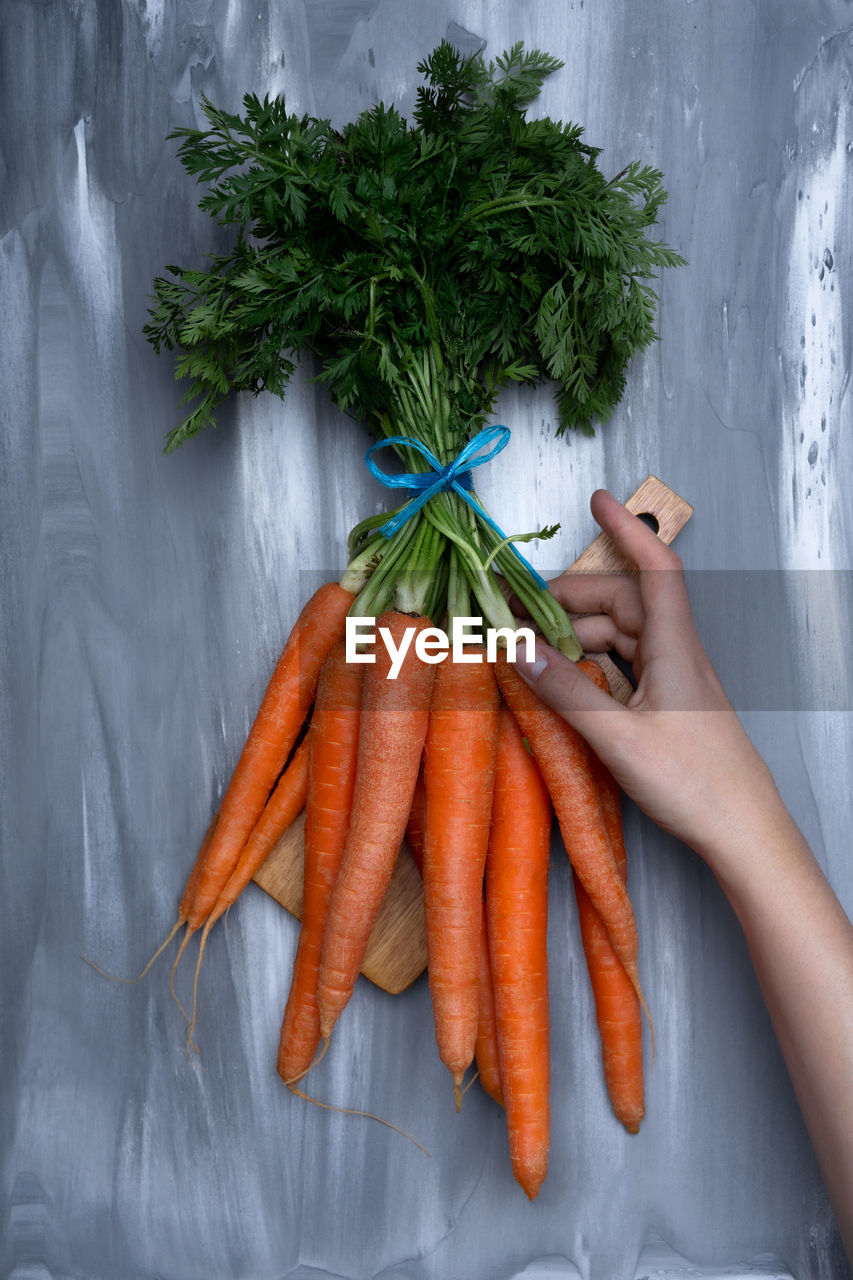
x=473 y=1080
x=113 y=977
x=367 y=1115
x=184 y=942
x=195 y=1015
x=316 y=1060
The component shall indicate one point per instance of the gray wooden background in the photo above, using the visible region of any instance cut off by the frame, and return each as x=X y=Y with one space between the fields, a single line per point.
x=145 y=598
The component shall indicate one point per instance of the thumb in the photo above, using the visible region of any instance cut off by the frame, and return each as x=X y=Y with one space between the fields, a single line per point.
x=567 y=690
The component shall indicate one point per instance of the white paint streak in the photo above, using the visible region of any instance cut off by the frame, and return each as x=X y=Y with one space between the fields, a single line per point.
x=95 y=256
x=88 y=900
x=811 y=481
x=816 y=455
x=153 y=14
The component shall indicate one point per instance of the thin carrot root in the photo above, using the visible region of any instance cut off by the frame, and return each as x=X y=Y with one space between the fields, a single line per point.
x=194 y=1046
x=187 y=936
x=316 y=1060
x=368 y=1115
x=130 y=981
x=457 y=1092
x=193 y=1022
x=475 y=1077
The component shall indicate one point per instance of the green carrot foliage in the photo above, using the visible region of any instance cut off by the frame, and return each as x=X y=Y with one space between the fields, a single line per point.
x=472 y=238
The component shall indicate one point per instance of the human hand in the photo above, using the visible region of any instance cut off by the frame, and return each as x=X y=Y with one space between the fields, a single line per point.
x=677 y=748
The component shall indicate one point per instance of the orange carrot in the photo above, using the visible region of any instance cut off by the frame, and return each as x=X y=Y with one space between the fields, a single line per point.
x=617 y=1008
x=333 y=744
x=280 y=717
x=283 y=807
x=201 y=858
x=459 y=769
x=394 y=716
x=563 y=757
x=486 y=1052
x=517 y=914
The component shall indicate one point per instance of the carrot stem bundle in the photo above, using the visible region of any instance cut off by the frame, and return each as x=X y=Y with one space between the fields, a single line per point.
x=459 y=769
x=333 y=745
x=517 y=915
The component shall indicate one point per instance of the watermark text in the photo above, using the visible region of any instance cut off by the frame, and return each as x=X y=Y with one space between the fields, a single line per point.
x=465 y=643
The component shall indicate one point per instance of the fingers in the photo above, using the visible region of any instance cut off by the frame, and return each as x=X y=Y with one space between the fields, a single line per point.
x=598 y=633
x=662 y=587
x=617 y=609
x=634 y=539
x=615 y=594
x=559 y=683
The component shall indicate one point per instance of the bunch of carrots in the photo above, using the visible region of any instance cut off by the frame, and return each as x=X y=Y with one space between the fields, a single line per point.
x=465 y=761
x=424 y=266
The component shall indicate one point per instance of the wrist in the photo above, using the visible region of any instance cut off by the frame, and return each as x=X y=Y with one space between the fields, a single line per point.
x=756 y=838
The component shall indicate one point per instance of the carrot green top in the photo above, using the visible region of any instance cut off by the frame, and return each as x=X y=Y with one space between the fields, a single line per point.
x=424 y=265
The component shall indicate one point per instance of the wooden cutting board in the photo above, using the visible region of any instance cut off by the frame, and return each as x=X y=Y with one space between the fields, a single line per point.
x=396 y=954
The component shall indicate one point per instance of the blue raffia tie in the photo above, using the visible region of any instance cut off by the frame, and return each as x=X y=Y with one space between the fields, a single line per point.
x=456 y=476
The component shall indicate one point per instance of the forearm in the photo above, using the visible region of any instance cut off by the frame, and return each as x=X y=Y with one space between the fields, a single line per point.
x=801 y=944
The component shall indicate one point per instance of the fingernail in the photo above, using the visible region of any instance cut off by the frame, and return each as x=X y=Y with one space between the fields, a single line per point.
x=531 y=670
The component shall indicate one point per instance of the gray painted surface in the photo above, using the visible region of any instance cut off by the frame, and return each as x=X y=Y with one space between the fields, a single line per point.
x=144 y=600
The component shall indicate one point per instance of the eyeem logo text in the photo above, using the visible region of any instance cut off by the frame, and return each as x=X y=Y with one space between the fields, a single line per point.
x=434 y=645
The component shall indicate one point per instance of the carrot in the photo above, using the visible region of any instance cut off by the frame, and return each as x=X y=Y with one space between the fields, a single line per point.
x=486 y=1051
x=618 y=1014
x=283 y=807
x=277 y=724
x=517 y=915
x=617 y=1008
x=333 y=744
x=192 y=881
x=564 y=759
x=394 y=715
x=459 y=769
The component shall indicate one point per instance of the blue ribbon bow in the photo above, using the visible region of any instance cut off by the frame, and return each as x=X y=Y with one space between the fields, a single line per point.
x=456 y=476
